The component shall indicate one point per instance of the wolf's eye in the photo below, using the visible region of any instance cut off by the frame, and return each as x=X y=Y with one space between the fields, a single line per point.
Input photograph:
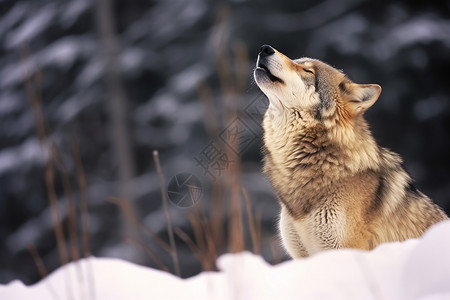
x=309 y=71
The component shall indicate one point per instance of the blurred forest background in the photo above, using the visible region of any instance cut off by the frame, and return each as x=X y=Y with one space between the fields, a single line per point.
x=88 y=89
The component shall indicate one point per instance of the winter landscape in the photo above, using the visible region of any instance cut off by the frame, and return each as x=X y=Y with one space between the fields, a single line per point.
x=106 y=106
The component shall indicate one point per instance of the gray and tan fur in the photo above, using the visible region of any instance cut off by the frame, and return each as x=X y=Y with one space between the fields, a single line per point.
x=336 y=186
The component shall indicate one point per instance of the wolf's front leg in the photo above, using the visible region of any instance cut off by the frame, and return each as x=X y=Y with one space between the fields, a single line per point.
x=290 y=239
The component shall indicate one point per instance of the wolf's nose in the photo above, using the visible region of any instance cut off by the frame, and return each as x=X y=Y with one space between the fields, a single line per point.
x=266 y=50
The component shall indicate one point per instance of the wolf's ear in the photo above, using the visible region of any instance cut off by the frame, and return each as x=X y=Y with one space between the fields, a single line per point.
x=362 y=96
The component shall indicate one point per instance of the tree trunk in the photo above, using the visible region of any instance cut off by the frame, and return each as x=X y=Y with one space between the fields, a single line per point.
x=116 y=103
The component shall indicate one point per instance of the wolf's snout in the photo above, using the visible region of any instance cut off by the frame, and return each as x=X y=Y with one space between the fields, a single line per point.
x=266 y=50
x=265 y=65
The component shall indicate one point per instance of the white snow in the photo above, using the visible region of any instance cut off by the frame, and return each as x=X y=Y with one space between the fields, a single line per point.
x=10 y=103
x=73 y=10
x=427 y=109
x=188 y=79
x=418 y=30
x=28 y=152
x=12 y=17
x=61 y=54
x=415 y=269
x=71 y=108
x=32 y=27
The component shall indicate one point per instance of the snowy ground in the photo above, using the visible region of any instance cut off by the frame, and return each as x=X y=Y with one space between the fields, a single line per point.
x=415 y=269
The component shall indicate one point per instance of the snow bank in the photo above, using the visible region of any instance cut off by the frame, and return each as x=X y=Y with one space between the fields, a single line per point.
x=415 y=269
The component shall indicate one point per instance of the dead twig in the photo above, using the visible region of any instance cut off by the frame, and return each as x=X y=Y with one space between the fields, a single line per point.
x=149 y=252
x=72 y=218
x=84 y=216
x=251 y=223
x=41 y=268
x=35 y=100
x=162 y=183
x=136 y=223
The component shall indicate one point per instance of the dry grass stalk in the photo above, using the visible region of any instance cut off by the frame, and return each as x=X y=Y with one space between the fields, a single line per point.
x=199 y=236
x=258 y=222
x=221 y=54
x=252 y=224
x=41 y=268
x=34 y=97
x=203 y=253
x=241 y=64
x=191 y=244
x=232 y=84
x=71 y=213
x=210 y=249
x=136 y=223
x=154 y=236
x=85 y=229
x=217 y=215
x=165 y=202
x=236 y=228
x=211 y=117
x=200 y=254
x=148 y=251
x=32 y=85
x=83 y=197
x=126 y=209
x=56 y=216
x=35 y=100
x=276 y=250
x=209 y=233
x=72 y=218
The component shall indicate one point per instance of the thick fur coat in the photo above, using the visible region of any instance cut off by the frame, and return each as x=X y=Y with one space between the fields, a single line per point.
x=337 y=187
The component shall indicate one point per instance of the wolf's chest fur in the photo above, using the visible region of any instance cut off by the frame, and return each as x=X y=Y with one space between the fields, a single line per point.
x=314 y=183
x=299 y=163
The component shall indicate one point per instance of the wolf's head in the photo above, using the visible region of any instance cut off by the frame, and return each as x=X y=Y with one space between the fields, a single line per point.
x=316 y=90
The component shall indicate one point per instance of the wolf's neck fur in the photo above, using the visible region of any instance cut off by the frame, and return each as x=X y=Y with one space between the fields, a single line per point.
x=302 y=149
x=296 y=139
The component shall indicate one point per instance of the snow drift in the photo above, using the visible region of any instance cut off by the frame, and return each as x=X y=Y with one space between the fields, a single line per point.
x=415 y=269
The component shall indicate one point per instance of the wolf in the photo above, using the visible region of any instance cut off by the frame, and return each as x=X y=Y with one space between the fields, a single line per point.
x=337 y=187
